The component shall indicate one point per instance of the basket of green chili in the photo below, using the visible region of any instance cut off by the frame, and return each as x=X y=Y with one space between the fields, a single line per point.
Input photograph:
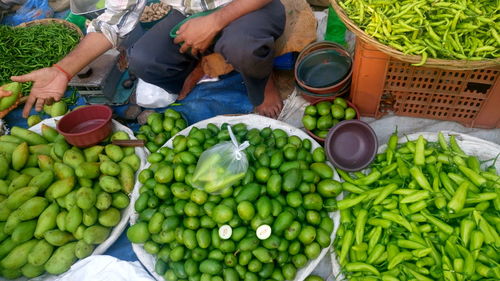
x=443 y=34
x=34 y=45
x=427 y=210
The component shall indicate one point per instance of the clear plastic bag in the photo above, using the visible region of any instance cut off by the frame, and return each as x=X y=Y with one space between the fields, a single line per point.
x=221 y=166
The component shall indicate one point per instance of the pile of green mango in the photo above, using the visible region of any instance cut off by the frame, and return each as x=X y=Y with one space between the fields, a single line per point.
x=57 y=202
x=160 y=127
x=288 y=188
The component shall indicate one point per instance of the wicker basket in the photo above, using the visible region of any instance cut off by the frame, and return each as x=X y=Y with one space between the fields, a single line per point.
x=437 y=63
x=53 y=20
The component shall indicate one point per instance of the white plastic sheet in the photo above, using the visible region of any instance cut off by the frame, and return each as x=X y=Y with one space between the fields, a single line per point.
x=252 y=121
x=103 y=268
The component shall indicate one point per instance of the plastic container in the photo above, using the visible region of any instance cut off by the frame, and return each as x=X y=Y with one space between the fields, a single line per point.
x=381 y=84
x=86 y=126
x=351 y=145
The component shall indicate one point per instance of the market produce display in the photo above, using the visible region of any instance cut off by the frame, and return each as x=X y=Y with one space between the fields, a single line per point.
x=160 y=127
x=426 y=211
x=29 y=48
x=462 y=30
x=320 y=117
x=287 y=189
x=58 y=202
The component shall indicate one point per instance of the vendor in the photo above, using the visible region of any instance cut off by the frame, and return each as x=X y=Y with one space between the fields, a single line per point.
x=244 y=33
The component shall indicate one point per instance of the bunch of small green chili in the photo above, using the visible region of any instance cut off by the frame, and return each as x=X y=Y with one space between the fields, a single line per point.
x=29 y=48
x=451 y=29
x=425 y=211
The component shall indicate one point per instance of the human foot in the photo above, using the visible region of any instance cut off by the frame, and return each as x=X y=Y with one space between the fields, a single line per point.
x=272 y=104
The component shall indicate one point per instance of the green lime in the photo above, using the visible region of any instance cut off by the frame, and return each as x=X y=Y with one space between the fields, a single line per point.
x=262 y=174
x=222 y=214
x=246 y=211
x=323 y=107
x=324 y=122
x=337 y=111
x=309 y=122
x=310 y=110
x=350 y=113
x=340 y=101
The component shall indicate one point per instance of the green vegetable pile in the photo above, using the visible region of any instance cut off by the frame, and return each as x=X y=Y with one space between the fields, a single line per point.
x=29 y=48
x=426 y=211
x=319 y=118
x=288 y=187
x=453 y=29
x=58 y=202
x=160 y=127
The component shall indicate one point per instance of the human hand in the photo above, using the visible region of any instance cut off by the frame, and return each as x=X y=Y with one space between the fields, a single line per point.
x=197 y=34
x=4 y=93
x=49 y=84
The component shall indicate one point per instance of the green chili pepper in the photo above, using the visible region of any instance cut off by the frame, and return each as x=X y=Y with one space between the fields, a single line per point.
x=455 y=147
x=457 y=202
x=419 y=157
x=422 y=181
x=396 y=218
x=368 y=179
x=399 y=258
x=346 y=245
x=474 y=177
x=379 y=222
x=349 y=187
x=375 y=238
x=360 y=225
x=477 y=198
x=438 y=223
x=345 y=176
x=375 y=254
x=416 y=196
x=348 y=203
x=476 y=242
x=386 y=191
x=359 y=266
x=442 y=142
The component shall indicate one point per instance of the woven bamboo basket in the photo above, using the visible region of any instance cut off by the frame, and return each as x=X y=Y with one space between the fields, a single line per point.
x=431 y=62
x=53 y=20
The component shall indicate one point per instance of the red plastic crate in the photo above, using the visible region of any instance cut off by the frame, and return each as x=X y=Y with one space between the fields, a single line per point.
x=382 y=84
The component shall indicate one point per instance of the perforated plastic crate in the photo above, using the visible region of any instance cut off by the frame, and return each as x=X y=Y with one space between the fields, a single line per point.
x=382 y=84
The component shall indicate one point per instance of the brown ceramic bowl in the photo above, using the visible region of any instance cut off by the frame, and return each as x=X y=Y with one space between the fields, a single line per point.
x=86 y=126
x=351 y=145
x=323 y=68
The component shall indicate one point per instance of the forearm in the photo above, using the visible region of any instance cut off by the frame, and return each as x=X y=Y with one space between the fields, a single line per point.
x=92 y=46
x=236 y=9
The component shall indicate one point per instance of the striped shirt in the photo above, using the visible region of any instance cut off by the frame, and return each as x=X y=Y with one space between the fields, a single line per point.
x=121 y=16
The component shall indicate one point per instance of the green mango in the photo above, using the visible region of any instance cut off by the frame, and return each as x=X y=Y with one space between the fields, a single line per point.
x=15 y=90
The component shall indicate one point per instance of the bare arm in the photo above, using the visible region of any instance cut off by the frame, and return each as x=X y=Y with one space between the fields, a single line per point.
x=199 y=33
x=50 y=83
x=92 y=46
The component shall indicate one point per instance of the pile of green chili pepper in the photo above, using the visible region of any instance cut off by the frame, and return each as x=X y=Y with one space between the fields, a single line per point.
x=426 y=211
x=452 y=29
x=29 y=48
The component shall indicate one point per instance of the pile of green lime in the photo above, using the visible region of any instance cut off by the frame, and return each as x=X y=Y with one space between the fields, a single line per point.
x=160 y=127
x=319 y=118
x=273 y=221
